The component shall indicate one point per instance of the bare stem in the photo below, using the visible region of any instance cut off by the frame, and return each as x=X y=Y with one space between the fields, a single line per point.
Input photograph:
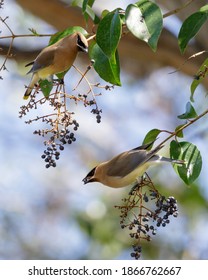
x=175 y=11
x=183 y=127
x=13 y=36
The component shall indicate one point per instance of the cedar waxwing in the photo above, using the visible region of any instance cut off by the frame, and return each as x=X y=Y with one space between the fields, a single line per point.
x=56 y=58
x=125 y=168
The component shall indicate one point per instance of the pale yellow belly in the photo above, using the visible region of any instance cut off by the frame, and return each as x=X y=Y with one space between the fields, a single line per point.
x=119 y=182
x=48 y=71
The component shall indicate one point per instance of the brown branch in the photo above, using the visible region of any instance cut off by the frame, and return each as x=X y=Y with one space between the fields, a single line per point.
x=54 y=12
x=13 y=36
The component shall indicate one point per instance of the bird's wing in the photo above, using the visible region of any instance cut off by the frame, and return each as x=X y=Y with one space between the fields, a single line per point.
x=30 y=63
x=132 y=160
x=43 y=60
x=144 y=146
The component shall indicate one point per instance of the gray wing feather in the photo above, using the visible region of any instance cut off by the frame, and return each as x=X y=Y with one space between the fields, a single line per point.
x=132 y=160
x=43 y=60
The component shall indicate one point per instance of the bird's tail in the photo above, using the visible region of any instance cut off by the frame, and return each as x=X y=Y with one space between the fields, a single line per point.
x=158 y=158
x=33 y=81
x=176 y=161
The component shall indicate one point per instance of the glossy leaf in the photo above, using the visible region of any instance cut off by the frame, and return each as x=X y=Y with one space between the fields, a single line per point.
x=191 y=26
x=199 y=77
x=144 y=20
x=87 y=10
x=190 y=112
x=188 y=152
x=151 y=136
x=109 y=33
x=46 y=87
x=107 y=68
x=87 y=3
x=136 y=24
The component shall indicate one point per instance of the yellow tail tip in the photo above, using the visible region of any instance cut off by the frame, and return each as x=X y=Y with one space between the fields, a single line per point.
x=25 y=97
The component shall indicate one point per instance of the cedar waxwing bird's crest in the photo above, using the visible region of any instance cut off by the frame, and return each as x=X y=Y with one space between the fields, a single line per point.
x=56 y=58
x=125 y=168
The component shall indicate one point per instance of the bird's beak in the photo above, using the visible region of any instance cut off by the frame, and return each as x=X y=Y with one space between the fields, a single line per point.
x=88 y=179
x=85 y=180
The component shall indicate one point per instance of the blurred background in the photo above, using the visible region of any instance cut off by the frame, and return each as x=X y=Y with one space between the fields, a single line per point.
x=49 y=213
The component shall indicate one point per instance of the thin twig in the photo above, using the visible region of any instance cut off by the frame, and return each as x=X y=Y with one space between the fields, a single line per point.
x=84 y=77
x=175 y=11
x=183 y=127
x=13 y=36
x=10 y=46
x=190 y=57
x=91 y=37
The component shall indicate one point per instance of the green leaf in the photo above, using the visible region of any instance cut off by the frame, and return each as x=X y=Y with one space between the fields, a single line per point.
x=193 y=87
x=199 y=77
x=46 y=87
x=87 y=3
x=144 y=20
x=151 y=136
x=191 y=26
x=107 y=68
x=109 y=33
x=179 y=133
x=104 y=13
x=87 y=10
x=190 y=112
x=61 y=34
x=84 y=5
x=136 y=24
x=188 y=152
x=62 y=74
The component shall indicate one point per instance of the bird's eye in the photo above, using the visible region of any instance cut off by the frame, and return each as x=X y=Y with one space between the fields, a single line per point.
x=81 y=45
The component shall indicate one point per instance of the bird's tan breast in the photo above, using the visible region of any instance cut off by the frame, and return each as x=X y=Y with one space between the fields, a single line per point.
x=61 y=59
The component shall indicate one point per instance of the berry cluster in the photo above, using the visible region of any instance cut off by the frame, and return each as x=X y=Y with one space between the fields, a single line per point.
x=59 y=120
x=1 y=4
x=97 y=113
x=51 y=153
x=144 y=211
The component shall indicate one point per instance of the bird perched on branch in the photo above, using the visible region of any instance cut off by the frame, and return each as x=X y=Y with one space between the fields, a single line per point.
x=56 y=58
x=125 y=168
